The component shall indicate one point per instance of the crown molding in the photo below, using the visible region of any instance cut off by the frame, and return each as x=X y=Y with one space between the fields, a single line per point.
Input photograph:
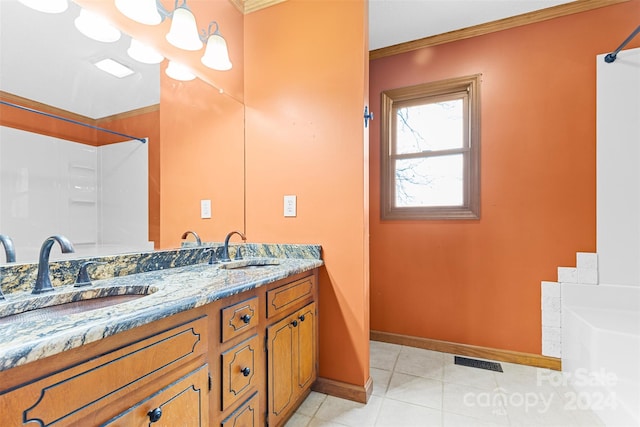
x=248 y=6
x=494 y=26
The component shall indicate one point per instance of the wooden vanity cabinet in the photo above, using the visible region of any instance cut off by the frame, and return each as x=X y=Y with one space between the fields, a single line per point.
x=291 y=344
x=237 y=360
x=99 y=384
x=266 y=364
x=246 y=360
x=292 y=360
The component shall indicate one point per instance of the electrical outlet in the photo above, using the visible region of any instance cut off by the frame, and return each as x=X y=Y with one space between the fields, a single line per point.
x=205 y=209
x=289 y=206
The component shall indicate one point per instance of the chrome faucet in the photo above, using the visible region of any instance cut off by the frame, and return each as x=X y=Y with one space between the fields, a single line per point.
x=9 y=250
x=43 y=281
x=186 y=233
x=225 y=249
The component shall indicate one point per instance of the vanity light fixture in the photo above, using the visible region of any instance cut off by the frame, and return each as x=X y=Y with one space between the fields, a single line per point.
x=143 y=11
x=177 y=71
x=183 y=32
x=47 y=6
x=216 y=55
x=114 y=68
x=96 y=27
x=143 y=53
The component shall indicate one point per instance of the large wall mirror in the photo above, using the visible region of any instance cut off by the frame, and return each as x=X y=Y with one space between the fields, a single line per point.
x=107 y=192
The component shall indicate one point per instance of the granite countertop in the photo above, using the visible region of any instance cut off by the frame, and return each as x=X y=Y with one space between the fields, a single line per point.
x=168 y=292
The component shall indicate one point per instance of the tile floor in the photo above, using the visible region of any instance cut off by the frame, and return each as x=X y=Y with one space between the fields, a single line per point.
x=416 y=387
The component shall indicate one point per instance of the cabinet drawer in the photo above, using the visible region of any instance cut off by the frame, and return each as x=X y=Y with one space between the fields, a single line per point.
x=247 y=415
x=87 y=387
x=183 y=403
x=286 y=297
x=239 y=375
x=239 y=318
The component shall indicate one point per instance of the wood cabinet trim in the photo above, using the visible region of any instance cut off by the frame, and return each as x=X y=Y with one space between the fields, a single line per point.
x=85 y=387
x=287 y=296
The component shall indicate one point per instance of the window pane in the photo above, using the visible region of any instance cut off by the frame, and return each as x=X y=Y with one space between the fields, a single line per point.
x=430 y=127
x=432 y=181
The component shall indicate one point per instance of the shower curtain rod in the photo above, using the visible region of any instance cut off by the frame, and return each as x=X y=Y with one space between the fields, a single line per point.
x=612 y=56
x=31 y=110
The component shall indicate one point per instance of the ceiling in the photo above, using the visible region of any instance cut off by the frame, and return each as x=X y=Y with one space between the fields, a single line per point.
x=397 y=21
x=49 y=49
x=44 y=58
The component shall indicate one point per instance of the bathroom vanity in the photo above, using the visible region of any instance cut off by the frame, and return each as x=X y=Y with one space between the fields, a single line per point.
x=206 y=346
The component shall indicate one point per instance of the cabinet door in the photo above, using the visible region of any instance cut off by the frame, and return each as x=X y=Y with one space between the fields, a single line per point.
x=240 y=371
x=306 y=343
x=280 y=371
x=291 y=348
x=184 y=403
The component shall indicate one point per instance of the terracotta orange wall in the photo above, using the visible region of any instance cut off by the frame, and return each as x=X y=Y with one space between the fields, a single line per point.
x=305 y=89
x=201 y=157
x=478 y=282
x=32 y=122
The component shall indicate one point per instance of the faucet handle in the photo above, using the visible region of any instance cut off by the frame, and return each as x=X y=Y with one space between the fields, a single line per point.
x=238 y=253
x=212 y=259
x=83 y=278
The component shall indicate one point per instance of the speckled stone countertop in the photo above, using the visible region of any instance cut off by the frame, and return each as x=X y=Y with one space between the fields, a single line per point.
x=166 y=292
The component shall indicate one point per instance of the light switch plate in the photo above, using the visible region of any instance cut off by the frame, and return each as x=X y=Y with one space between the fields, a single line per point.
x=290 y=206
x=205 y=209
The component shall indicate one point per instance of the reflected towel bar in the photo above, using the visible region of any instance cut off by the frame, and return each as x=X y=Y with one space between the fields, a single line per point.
x=612 y=56
x=31 y=110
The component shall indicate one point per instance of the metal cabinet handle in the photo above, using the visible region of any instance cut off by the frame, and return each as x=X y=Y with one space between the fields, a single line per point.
x=294 y=323
x=301 y=317
x=246 y=318
x=155 y=414
x=245 y=371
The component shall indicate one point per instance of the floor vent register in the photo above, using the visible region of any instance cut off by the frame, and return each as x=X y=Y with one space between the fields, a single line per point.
x=475 y=363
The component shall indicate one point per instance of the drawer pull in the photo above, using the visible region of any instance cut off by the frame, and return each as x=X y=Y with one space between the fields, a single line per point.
x=246 y=318
x=245 y=371
x=155 y=415
x=301 y=317
x=294 y=323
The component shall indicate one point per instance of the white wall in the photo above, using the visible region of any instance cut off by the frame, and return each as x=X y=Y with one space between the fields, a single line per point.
x=124 y=194
x=618 y=168
x=96 y=197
